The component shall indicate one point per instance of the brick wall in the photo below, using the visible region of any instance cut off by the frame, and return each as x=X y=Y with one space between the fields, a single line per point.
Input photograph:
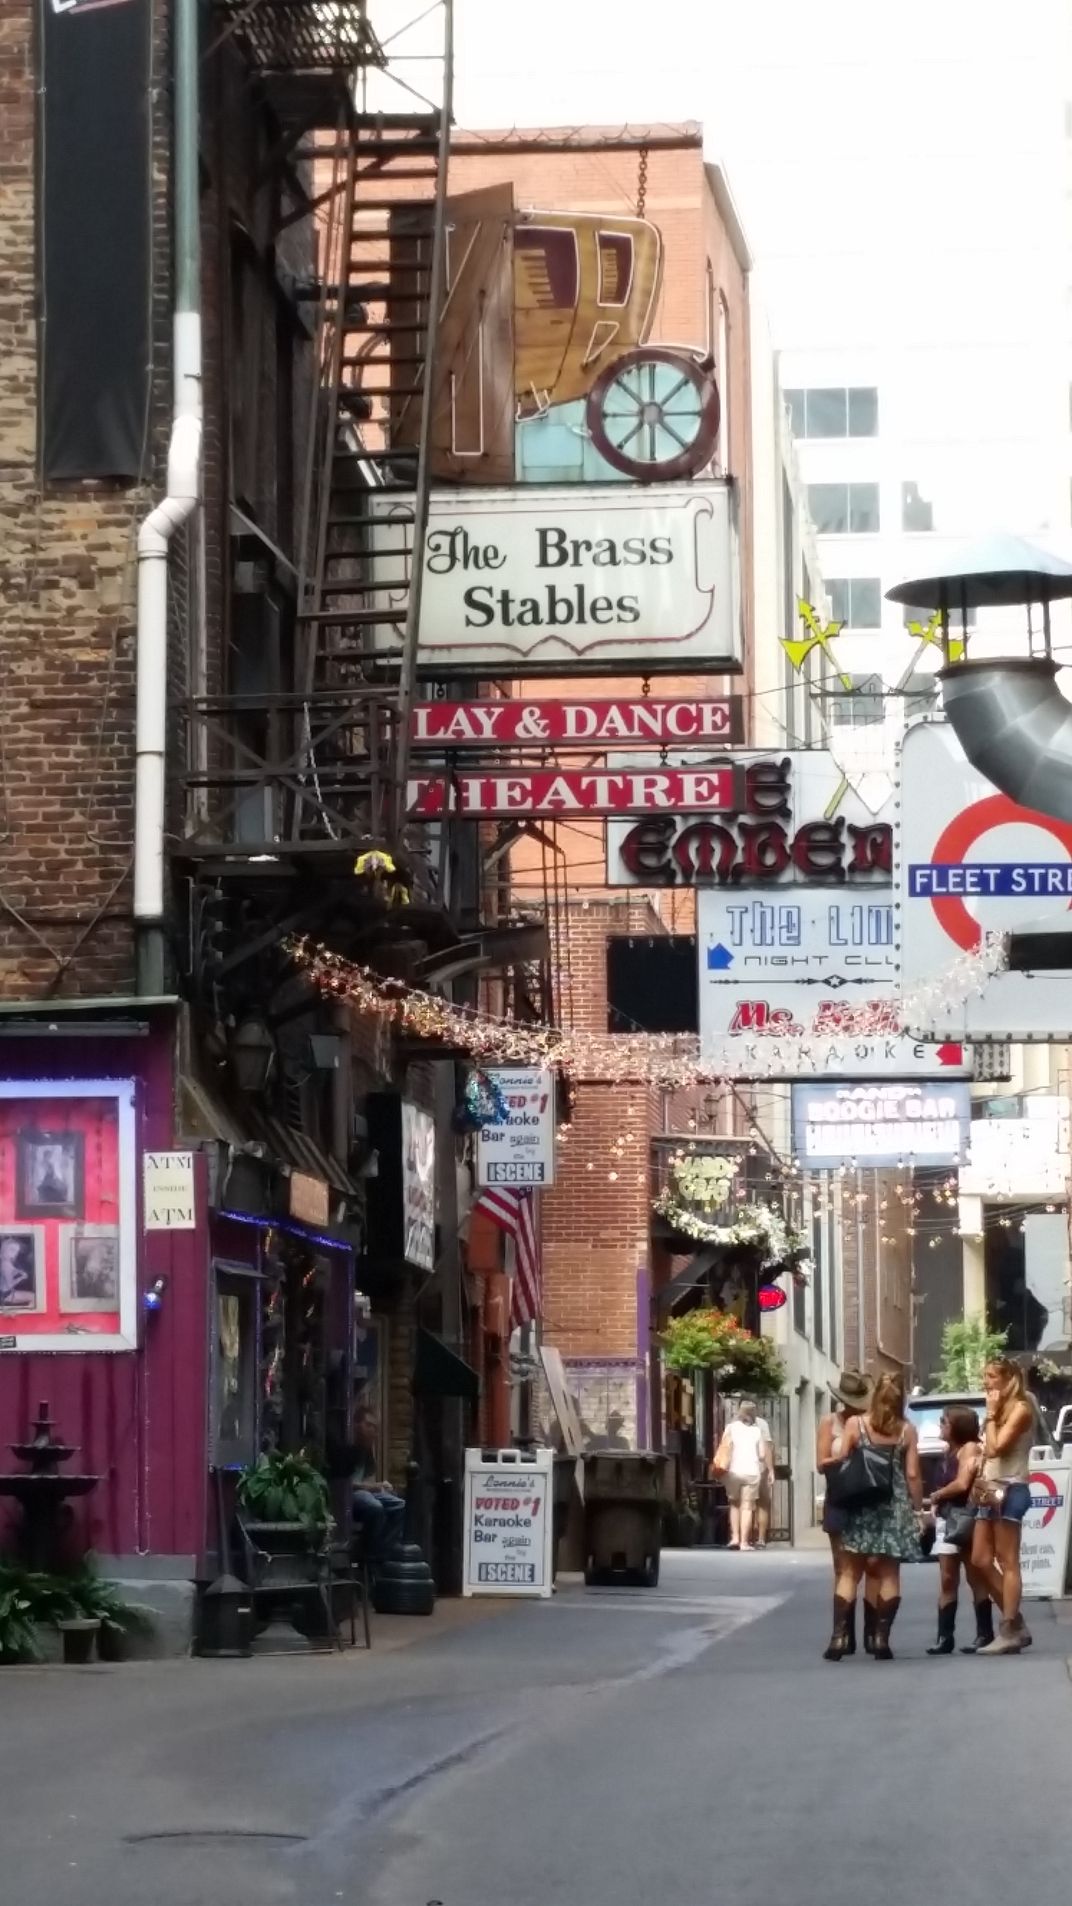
x=596 y=1220
x=66 y=614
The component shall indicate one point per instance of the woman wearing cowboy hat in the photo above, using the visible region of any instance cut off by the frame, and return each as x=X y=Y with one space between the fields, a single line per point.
x=852 y=1396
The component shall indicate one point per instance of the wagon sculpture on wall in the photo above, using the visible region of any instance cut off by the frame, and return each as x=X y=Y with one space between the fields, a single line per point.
x=586 y=288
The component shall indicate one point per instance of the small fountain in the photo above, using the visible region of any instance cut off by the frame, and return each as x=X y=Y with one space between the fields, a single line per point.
x=43 y=1493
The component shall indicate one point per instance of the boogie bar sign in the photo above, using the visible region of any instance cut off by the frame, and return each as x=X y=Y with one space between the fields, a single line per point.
x=880 y=1124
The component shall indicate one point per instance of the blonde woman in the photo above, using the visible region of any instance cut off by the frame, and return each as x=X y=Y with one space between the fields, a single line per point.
x=879 y=1537
x=851 y=1394
x=1002 y=1498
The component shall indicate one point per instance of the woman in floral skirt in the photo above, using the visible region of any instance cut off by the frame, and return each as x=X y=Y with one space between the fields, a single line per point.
x=876 y=1540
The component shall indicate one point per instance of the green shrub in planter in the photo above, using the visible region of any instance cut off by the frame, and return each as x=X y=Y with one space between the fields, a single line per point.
x=278 y=1488
x=29 y=1600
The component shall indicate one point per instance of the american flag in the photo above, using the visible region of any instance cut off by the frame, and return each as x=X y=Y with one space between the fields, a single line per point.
x=515 y=1212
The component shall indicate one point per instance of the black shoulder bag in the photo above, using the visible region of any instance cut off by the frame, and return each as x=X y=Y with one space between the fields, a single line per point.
x=864 y=1478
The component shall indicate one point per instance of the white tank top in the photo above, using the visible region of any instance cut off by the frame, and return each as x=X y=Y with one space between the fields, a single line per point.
x=1013 y=1463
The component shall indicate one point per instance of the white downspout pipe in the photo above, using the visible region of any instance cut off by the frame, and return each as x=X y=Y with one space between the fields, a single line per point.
x=157 y=529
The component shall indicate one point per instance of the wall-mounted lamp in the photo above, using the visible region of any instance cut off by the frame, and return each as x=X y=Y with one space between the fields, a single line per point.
x=154 y=1296
x=252 y=1054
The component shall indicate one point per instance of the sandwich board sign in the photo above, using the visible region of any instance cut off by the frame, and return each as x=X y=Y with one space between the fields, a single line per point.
x=509 y=1522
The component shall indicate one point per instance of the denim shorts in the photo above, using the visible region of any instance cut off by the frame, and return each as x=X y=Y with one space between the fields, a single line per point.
x=1014 y=1508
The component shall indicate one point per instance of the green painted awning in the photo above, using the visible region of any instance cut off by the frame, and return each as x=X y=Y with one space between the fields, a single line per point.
x=438 y=1371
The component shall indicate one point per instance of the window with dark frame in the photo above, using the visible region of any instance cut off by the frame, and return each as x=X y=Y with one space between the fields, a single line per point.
x=856 y=601
x=233 y=1361
x=652 y=983
x=818 y=1308
x=917 y=512
x=833 y=411
x=863 y=704
x=844 y=509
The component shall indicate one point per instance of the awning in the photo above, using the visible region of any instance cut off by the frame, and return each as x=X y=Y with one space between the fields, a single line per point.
x=691 y=1277
x=246 y=1129
x=438 y=1371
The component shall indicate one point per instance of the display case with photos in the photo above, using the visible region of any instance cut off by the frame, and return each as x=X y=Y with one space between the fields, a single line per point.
x=68 y=1240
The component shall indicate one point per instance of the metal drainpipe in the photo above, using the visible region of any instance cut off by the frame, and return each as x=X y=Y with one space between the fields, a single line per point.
x=154 y=536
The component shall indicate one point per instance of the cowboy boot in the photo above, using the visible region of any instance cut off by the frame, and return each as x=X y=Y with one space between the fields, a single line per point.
x=839 y=1640
x=851 y=1645
x=984 y=1627
x=1020 y=1626
x=885 y=1616
x=1008 y=1641
x=947 y=1629
x=869 y=1628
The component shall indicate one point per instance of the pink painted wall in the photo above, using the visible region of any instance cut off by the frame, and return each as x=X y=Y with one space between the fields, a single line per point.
x=139 y=1417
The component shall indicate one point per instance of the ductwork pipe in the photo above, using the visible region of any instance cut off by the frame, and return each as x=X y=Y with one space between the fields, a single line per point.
x=154 y=536
x=1015 y=726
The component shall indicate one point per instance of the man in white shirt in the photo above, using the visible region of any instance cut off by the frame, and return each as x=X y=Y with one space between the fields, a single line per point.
x=745 y=1456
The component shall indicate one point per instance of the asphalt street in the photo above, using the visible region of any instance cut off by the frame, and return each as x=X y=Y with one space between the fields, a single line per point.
x=685 y=1744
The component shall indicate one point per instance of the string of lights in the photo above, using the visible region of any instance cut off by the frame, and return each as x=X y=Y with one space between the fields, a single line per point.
x=665 y=1060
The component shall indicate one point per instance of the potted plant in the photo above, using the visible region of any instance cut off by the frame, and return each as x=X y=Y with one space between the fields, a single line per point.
x=31 y=1600
x=118 y=1618
x=284 y=1503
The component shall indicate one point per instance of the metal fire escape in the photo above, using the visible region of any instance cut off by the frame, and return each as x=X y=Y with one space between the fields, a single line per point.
x=296 y=743
x=314 y=772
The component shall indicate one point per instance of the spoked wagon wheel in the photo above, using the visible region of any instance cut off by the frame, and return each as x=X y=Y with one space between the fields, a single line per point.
x=654 y=413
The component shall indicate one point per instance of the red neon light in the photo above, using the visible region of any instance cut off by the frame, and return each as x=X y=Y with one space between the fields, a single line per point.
x=771 y=1297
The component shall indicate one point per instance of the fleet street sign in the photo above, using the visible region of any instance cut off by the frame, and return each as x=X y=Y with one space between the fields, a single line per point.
x=576 y=792
x=973 y=861
x=641 y=723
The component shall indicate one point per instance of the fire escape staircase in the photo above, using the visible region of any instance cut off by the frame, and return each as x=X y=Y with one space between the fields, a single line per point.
x=363 y=140
x=363 y=130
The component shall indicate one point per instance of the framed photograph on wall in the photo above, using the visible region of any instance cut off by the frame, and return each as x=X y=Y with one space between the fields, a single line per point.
x=22 y=1271
x=51 y=1174
x=89 y=1268
x=68 y=1215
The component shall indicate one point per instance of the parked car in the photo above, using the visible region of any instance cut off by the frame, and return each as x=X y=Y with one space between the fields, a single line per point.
x=925 y=1413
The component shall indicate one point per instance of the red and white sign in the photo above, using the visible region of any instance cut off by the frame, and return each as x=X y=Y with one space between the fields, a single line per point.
x=1044 y=1543
x=576 y=724
x=974 y=861
x=576 y=792
x=793 y=1031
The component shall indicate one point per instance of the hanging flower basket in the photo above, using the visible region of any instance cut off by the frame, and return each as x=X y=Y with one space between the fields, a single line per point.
x=713 y=1340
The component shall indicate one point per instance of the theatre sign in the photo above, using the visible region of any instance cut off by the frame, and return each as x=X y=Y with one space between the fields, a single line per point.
x=576 y=792
x=567 y=580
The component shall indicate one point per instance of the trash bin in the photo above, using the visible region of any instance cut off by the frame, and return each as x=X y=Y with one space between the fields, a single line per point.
x=623 y=1506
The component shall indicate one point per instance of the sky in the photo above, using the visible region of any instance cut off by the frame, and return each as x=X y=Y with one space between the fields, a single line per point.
x=903 y=173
